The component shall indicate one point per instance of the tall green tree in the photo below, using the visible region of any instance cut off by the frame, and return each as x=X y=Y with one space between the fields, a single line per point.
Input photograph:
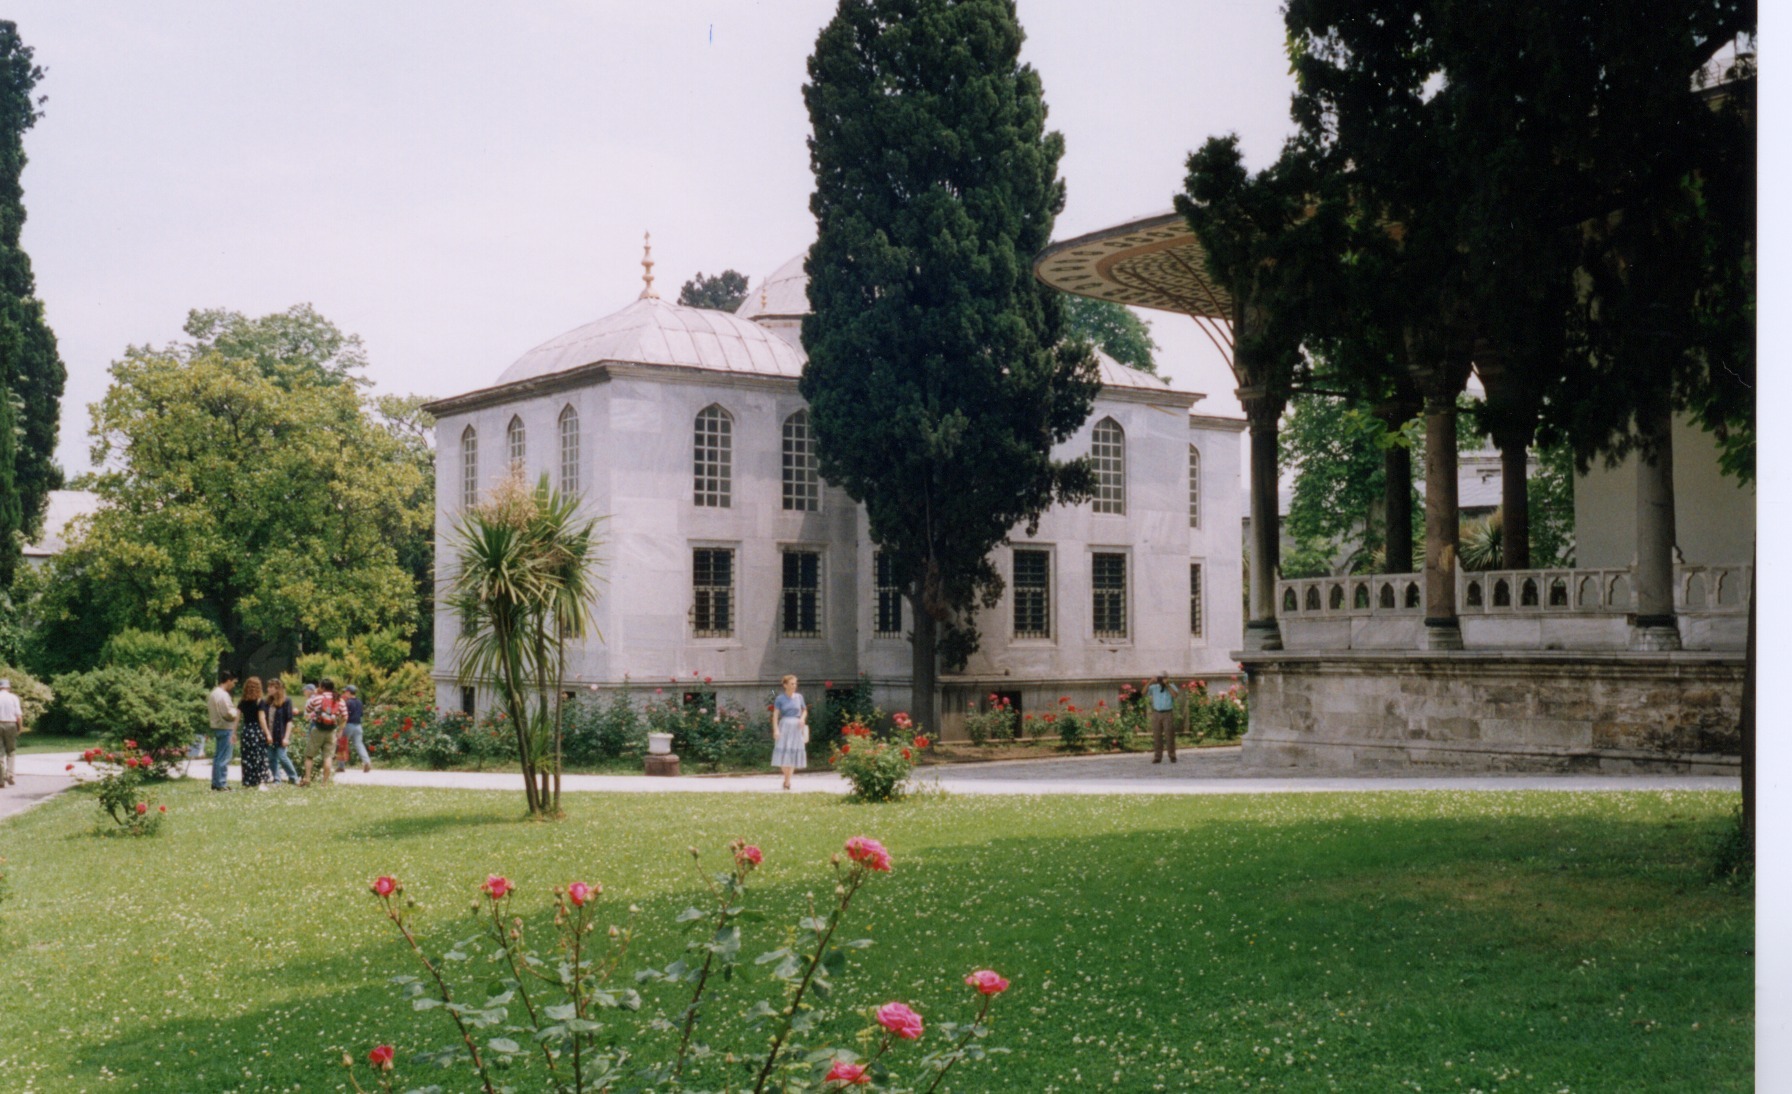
x=723 y=292
x=298 y=346
x=1113 y=329
x=938 y=377
x=31 y=373
x=274 y=512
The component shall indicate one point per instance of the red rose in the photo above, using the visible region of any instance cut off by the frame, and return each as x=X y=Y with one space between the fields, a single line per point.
x=161 y=809
x=142 y=808
x=749 y=855
x=381 y=1057
x=496 y=886
x=579 y=892
x=130 y=744
x=868 y=853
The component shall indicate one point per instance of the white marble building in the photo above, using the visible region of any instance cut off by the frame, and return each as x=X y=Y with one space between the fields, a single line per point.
x=725 y=557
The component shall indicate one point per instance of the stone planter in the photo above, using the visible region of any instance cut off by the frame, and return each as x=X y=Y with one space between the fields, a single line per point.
x=660 y=758
x=659 y=744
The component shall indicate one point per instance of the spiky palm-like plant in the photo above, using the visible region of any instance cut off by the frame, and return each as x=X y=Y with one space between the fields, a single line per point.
x=524 y=587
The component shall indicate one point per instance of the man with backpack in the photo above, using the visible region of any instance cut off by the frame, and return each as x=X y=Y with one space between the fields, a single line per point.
x=324 y=715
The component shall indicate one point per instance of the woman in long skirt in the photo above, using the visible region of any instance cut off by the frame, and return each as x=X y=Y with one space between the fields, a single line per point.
x=252 y=737
x=790 y=730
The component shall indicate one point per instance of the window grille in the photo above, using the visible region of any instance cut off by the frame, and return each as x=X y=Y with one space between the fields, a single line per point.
x=713 y=459
x=802 y=482
x=1108 y=454
x=1108 y=581
x=519 y=444
x=1032 y=594
x=1194 y=487
x=802 y=594
x=712 y=583
x=888 y=623
x=469 y=468
x=1194 y=599
x=569 y=451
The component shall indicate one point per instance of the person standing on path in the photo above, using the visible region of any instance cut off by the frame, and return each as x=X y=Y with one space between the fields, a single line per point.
x=224 y=717
x=352 y=728
x=323 y=713
x=254 y=740
x=1162 y=697
x=790 y=730
x=276 y=718
x=12 y=720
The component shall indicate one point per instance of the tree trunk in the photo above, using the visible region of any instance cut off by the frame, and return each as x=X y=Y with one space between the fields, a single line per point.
x=1656 y=627
x=1515 y=501
x=1397 y=504
x=1262 y=632
x=925 y=668
x=1443 y=630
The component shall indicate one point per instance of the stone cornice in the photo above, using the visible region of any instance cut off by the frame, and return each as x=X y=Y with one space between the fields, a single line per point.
x=1210 y=421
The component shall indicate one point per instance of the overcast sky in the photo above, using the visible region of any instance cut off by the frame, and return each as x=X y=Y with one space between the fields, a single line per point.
x=459 y=182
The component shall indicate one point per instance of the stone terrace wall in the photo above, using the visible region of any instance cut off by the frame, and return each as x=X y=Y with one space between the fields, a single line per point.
x=1489 y=711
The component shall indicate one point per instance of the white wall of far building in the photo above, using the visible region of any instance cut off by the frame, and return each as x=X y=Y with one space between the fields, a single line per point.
x=636 y=438
x=1714 y=516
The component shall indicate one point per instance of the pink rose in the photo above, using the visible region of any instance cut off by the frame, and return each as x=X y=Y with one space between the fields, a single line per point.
x=579 y=892
x=496 y=886
x=827 y=683
x=987 y=982
x=385 y=886
x=708 y=680
x=749 y=855
x=142 y=808
x=849 y=1074
x=868 y=853
x=381 y=1057
x=130 y=744
x=901 y=1020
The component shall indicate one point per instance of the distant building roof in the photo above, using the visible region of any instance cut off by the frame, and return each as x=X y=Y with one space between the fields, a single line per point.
x=62 y=507
x=653 y=332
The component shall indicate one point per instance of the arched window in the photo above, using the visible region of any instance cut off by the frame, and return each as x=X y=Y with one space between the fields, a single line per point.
x=469 y=467
x=1108 y=452
x=569 y=451
x=1194 y=487
x=712 y=459
x=519 y=444
x=802 y=485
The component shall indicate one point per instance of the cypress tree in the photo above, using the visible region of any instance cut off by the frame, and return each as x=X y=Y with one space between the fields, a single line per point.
x=31 y=373
x=937 y=378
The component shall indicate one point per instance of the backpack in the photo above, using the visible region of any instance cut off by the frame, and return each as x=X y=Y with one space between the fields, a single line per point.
x=326 y=714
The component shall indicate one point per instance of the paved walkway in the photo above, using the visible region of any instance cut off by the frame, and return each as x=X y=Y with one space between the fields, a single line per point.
x=1202 y=771
x=33 y=787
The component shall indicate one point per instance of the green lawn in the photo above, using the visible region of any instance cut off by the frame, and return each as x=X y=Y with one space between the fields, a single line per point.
x=1434 y=941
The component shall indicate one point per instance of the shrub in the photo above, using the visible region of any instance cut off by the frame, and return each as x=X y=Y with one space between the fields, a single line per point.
x=375 y=663
x=845 y=706
x=599 y=730
x=998 y=721
x=161 y=713
x=1108 y=726
x=1072 y=730
x=189 y=653
x=878 y=767
x=121 y=792
x=573 y=1020
x=34 y=695
x=1222 y=717
x=439 y=739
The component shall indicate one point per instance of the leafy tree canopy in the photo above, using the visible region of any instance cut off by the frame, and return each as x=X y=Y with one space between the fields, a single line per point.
x=271 y=514
x=297 y=346
x=1113 y=329
x=938 y=378
x=723 y=292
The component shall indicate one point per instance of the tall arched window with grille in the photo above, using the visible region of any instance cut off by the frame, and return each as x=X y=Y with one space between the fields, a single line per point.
x=1194 y=487
x=518 y=440
x=712 y=459
x=802 y=483
x=469 y=467
x=569 y=450
x=1108 y=453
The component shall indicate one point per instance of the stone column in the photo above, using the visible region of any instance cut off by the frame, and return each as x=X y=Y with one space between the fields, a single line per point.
x=1514 y=427
x=1655 y=627
x=1261 y=631
x=1443 y=630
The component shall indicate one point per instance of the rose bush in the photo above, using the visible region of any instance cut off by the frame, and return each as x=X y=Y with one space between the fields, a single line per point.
x=997 y=721
x=121 y=791
x=878 y=767
x=556 y=1005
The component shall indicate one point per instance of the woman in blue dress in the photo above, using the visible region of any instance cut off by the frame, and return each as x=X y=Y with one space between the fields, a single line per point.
x=790 y=730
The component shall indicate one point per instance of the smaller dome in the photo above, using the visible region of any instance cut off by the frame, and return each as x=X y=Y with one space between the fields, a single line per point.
x=784 y=294
x=653 y=332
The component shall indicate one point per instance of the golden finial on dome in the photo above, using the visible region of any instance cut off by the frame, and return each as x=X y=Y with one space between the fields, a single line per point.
x=647 y=292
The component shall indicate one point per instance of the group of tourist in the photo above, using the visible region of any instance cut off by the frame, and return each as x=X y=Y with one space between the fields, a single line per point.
x=262 y=722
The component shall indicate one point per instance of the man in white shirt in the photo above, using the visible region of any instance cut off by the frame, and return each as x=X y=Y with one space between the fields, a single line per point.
x=12 y=719
x=224 y=717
